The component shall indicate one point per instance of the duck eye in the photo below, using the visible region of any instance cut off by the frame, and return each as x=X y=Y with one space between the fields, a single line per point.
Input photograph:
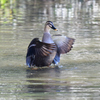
x=50 y=25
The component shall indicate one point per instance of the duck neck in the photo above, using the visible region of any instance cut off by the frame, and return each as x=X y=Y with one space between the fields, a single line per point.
x=47 y=29
x=46 y=36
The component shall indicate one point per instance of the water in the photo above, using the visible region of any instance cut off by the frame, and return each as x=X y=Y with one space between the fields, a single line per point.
x=78 y=74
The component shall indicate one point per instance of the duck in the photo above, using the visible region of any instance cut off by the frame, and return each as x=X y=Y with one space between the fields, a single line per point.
x=48 y=51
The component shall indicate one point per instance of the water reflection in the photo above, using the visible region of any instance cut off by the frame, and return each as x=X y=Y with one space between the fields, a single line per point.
x=45 y=81
x=41 y=10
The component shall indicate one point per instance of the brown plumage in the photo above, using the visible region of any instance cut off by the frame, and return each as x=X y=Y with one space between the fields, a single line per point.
x=48 y=51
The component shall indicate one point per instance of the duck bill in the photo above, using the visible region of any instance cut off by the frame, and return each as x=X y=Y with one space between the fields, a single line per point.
x=53 y=28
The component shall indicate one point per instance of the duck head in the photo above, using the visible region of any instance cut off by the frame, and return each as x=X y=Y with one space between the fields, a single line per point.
x=49 y=25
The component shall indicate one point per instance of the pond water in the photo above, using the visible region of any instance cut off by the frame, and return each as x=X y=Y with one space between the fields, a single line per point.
x=78 y=74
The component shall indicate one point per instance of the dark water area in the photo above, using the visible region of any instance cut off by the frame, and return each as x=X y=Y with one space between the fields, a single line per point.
x=77 y=76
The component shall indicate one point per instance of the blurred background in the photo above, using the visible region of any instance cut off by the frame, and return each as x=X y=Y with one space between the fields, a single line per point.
x=78 y=74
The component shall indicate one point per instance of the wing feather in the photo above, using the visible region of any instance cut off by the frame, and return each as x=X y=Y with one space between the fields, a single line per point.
x=44 y=49
x=63 y=43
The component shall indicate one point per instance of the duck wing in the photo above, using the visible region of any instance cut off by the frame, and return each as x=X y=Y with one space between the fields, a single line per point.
x=44 y=49
x=64 y=45
x=37 y=48
x=30 y=56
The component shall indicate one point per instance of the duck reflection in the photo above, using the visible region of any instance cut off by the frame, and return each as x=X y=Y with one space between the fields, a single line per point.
x=45 y=80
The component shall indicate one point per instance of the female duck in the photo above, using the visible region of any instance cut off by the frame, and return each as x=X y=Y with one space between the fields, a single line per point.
x=48 y=51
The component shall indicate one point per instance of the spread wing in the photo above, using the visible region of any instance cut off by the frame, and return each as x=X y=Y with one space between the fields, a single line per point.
x=64 y=45
x=37 y=48
x=44 y=49
x=30 y=56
